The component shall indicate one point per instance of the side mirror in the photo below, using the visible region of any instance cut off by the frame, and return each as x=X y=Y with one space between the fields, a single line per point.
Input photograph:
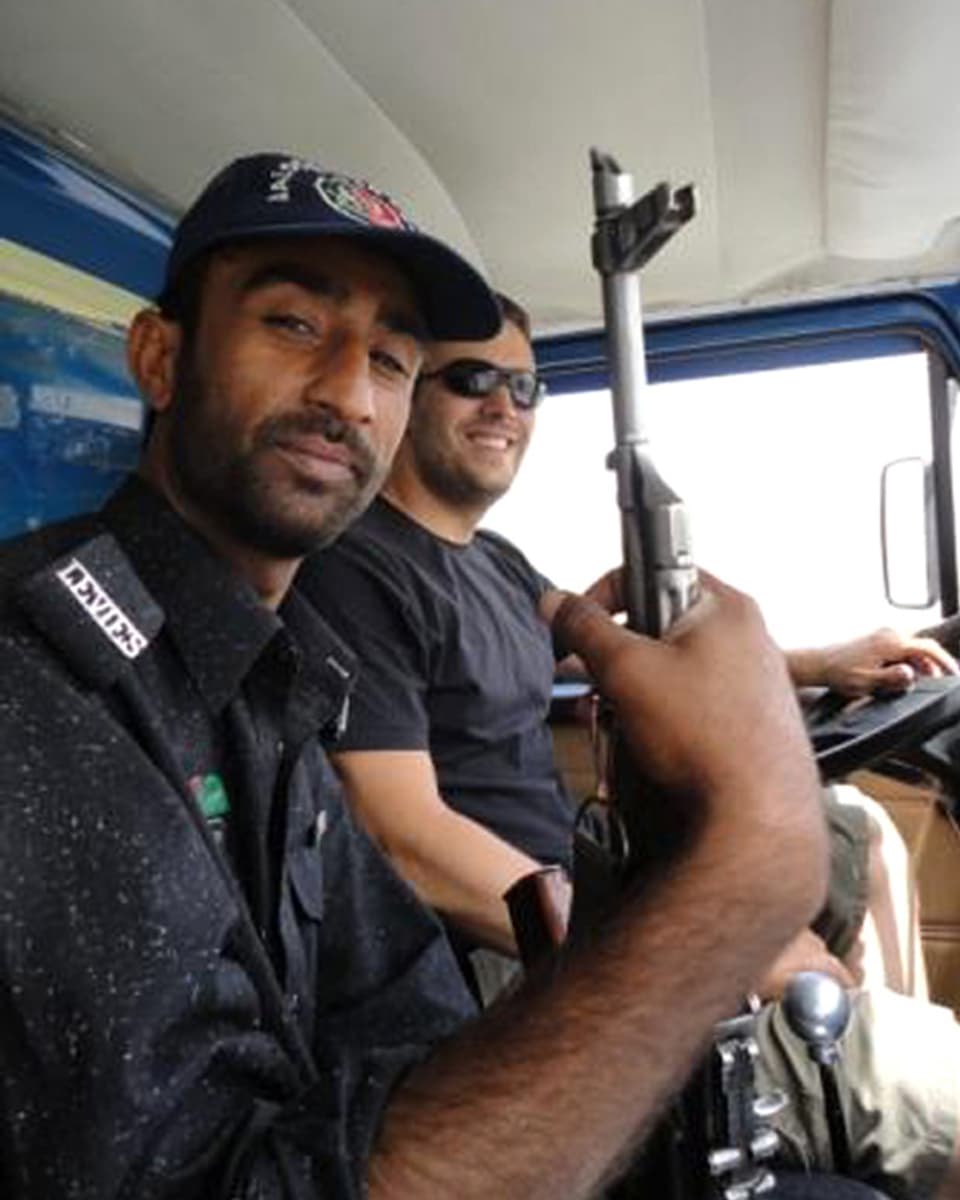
x=908 y=534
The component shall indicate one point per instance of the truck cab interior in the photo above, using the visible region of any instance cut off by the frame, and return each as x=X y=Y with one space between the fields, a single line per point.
x=802 y=332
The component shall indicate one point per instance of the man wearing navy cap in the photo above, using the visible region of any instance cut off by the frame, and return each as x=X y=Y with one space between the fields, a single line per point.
x=213 y=985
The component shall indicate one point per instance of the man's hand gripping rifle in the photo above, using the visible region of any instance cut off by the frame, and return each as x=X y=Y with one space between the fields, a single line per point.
x=719 y=1113
x=713 y=1144
x=659 y=578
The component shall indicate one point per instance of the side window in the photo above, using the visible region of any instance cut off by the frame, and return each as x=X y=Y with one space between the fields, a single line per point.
x=780 y=470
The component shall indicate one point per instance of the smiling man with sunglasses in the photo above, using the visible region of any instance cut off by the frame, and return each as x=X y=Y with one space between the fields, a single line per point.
x=457 y=664
x=469 y=428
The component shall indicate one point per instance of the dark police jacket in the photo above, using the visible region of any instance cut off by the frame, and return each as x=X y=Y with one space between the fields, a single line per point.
x=209 y=980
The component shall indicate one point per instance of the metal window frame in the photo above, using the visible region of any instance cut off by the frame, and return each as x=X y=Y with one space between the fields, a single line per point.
x=838 y=330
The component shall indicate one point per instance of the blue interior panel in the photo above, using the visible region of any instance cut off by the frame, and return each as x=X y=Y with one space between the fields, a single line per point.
x=70 y=419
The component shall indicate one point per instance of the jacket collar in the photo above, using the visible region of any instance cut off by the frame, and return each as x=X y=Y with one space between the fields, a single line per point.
x=214 y=618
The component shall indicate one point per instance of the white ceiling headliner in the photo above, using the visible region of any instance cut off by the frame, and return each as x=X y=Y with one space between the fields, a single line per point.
x=822 y=134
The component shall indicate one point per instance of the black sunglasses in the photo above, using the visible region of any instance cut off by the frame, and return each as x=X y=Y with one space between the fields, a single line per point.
x=476 y=379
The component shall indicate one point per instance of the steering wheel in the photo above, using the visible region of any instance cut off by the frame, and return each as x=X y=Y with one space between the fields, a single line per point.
x=850 y=734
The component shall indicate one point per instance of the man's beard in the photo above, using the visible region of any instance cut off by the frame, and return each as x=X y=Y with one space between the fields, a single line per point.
x=445 y=476
x=272 y=514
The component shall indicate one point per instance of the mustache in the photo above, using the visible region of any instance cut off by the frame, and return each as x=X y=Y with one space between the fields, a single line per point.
x=326 y=424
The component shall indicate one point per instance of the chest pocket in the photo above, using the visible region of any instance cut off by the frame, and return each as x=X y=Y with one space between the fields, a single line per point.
x=305 y=867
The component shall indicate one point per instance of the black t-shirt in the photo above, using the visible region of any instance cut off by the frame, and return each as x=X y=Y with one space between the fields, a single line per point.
x=454 y=660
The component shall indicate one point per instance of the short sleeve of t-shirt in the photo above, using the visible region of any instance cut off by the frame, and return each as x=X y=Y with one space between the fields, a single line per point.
x=515 y=561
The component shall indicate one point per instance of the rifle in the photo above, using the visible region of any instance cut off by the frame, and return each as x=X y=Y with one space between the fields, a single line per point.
x=714 y=1141
x=660 y=579
x=659 y=576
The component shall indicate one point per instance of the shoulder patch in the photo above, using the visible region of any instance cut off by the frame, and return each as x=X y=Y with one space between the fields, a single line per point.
x=92 y=606
x=100 y=606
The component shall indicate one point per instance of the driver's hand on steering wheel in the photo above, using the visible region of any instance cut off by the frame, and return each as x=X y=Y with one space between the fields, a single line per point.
x=882 y=661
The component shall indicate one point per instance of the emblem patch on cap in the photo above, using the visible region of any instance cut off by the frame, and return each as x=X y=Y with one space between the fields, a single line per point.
x=352 y=198
x=358 y=200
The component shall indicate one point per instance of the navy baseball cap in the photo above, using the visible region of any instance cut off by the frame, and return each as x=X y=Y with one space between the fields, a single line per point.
x=280 y=195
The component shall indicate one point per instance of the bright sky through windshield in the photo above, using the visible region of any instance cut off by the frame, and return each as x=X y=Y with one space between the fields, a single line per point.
x=781 y=474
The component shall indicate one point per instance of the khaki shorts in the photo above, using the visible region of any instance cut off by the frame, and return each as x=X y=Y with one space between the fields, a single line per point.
x=900 y=1087
x=841 y=917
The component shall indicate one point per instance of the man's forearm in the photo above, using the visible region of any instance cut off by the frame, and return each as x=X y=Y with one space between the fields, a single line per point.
x=806 y=667
x=541 y=1095
x=463 y=871
x=453 y=863
x=883 y=659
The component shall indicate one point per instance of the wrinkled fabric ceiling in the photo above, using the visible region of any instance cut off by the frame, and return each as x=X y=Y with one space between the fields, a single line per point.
x=822 y=134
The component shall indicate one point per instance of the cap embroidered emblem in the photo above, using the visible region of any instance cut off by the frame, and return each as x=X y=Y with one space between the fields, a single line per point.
x=353 y=198
x=358 y=200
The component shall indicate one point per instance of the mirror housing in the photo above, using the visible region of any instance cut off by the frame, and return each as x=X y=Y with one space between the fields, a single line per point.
x=908 y=534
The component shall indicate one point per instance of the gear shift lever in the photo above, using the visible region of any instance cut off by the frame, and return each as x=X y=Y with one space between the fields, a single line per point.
x=817 y=1009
